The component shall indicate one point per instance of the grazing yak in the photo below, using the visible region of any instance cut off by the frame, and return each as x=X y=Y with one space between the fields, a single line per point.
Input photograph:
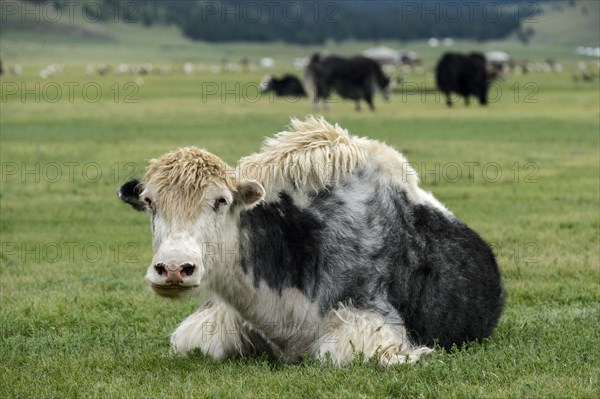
x=321 y=244
x=287 y=86
x=464 y=75
x=355 y=78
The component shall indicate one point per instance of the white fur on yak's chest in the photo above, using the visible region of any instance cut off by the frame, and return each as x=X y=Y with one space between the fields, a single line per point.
x=287 y=317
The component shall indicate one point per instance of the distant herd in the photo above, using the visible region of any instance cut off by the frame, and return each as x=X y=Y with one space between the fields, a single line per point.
x=357 y=78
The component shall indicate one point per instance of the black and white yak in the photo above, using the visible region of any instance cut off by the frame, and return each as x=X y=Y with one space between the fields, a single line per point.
x=357 y=78
x=321 y=244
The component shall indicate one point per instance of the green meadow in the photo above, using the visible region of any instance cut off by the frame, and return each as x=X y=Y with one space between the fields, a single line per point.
x=78 y=320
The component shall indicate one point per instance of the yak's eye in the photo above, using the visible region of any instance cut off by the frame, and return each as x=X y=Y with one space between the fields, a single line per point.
x=220 y=202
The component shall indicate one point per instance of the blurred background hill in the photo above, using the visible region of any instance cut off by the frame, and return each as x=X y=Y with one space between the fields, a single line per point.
x=207 y=31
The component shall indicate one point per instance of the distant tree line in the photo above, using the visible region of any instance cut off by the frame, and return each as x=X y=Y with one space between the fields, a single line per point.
x=312 y=21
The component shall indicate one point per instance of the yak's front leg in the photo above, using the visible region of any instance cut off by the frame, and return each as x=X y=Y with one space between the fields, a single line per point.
x=348 y=331
x=218 y=332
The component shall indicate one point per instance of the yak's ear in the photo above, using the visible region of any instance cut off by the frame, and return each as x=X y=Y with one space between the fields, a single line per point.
x=130 y=193
x=249 y=193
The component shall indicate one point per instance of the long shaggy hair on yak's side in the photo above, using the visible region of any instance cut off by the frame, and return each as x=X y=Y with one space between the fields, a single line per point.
x=312 y=155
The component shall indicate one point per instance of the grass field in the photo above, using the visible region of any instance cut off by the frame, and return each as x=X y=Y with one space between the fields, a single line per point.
x=77 y=319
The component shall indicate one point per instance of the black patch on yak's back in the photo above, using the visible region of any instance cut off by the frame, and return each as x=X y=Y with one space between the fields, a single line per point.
x=281 y=241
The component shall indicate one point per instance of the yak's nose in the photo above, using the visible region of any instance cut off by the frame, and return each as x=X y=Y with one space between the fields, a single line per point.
x=174 y=274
